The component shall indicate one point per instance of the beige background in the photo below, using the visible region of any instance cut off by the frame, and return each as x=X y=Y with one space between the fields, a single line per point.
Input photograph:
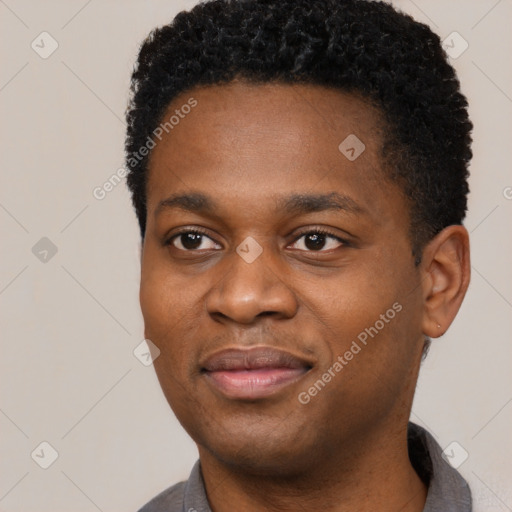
x=69 y=325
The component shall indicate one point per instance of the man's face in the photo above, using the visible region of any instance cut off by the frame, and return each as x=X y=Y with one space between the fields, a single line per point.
x=268 y=252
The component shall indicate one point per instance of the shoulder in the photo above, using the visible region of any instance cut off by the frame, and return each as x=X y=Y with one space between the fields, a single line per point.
x=170 y=500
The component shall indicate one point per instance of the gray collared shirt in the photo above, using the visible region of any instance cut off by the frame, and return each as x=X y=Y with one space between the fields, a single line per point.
x=447 y=490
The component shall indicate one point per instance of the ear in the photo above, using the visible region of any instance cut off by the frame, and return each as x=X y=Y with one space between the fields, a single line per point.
x=445 y=269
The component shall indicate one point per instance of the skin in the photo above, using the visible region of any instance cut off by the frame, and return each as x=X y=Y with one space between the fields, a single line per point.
x=247 y=147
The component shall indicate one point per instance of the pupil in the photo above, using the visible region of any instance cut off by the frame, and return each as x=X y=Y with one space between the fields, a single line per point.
x=315 y=241
x=191 y=240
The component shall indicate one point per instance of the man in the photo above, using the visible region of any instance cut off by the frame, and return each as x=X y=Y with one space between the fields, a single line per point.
x=299 y=172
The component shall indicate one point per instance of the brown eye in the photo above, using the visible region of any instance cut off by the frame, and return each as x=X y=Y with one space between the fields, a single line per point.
x=192 y=240
x=314 y=241
x=317 y=241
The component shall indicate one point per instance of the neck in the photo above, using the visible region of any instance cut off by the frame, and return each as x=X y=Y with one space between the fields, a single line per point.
x=371 y=473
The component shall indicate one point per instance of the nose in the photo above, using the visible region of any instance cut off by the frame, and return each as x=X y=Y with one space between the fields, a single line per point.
x=249 y=291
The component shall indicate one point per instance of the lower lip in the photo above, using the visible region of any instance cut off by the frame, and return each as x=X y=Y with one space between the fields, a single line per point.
x=254 y=384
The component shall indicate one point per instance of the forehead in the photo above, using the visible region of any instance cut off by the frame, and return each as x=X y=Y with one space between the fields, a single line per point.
x=279 y=116
x=256 y=142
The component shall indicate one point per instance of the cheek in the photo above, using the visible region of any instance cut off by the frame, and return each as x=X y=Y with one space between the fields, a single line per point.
x=160 y=296
x=163 y=304
x=370 y=304
x=156 y=301
x=350 y=299
x=167 y=323
x=172 y=317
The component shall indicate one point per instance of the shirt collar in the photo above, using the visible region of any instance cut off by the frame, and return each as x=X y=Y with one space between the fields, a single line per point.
x=447 y=490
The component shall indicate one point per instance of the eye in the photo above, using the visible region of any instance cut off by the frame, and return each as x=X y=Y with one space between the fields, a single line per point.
x=317 y=240
x=192 y=241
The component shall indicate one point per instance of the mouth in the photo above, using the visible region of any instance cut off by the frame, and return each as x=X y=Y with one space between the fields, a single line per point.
x=255 y=373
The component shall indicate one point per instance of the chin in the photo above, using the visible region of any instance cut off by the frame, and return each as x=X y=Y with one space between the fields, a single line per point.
x=258 y=448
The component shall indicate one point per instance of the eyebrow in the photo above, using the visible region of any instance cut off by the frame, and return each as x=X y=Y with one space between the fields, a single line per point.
x=310 y=203
x=295 y=204
x=193 y=202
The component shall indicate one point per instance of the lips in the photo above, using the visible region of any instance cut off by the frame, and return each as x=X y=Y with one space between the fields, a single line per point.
x=253 y=373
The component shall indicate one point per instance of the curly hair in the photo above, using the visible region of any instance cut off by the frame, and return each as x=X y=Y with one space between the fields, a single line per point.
x=356 y=46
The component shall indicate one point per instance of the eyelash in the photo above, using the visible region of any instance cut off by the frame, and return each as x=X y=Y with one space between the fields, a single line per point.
x=185 y=231
x=316 y=231
x=320 y=231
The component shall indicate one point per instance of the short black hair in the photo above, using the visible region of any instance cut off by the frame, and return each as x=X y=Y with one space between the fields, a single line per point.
x=356 y=46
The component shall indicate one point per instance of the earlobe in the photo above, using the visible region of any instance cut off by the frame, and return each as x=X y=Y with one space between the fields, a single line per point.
x=446 y=274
